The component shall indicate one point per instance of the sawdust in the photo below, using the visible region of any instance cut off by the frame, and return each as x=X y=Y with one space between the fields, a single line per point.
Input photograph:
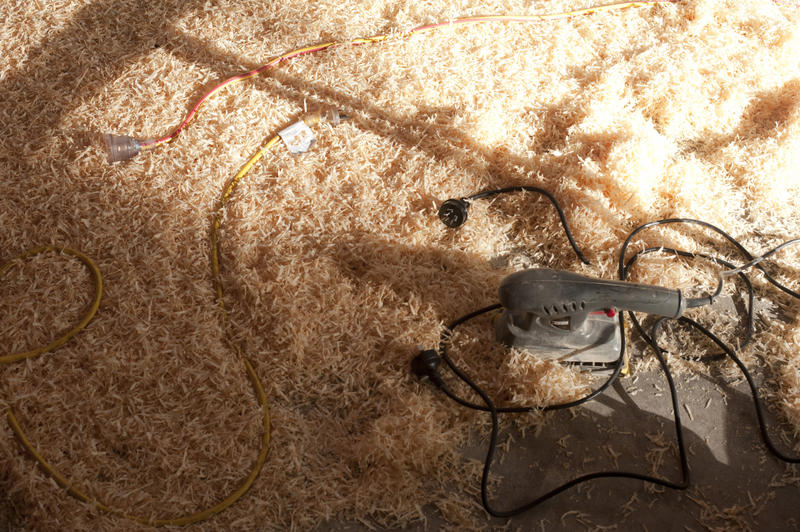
x=335 y=264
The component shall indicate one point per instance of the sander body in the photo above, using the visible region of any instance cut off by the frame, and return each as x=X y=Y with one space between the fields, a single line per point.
x=573 y=318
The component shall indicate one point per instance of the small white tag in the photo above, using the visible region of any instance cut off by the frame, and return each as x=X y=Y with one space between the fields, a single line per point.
x=298 y=137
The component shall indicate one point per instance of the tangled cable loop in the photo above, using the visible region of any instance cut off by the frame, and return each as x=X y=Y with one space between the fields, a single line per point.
x=62 y=481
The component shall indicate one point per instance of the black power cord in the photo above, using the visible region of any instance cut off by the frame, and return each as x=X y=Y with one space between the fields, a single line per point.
x=433 y=362
x=755 y=260
x=749 y=313
x=426 y=364
x=445 y=339
x=454 y=212
x=727 y=351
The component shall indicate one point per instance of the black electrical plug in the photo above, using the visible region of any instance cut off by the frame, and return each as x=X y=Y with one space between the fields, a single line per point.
x=426 y=364
x=453 y=212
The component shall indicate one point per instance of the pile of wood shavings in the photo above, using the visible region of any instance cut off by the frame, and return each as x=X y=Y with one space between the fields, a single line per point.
x=335 y=264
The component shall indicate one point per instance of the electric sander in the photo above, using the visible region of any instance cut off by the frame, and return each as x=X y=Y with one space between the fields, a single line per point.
x=572 y=318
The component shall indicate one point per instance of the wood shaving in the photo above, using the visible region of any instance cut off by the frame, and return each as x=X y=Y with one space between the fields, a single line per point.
x=335 y=264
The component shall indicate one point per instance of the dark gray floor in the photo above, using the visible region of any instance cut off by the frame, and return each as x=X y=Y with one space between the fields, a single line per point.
x=736 y=484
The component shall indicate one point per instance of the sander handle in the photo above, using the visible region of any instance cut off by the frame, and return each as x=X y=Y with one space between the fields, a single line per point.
x=557 y=294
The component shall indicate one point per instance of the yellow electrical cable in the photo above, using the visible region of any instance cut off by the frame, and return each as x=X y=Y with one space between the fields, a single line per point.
x=218 y=217
x=251 y=373
x=259 y=390
x=98 y=294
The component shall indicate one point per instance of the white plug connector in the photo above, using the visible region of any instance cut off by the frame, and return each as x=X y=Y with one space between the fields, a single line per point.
x=121 y=147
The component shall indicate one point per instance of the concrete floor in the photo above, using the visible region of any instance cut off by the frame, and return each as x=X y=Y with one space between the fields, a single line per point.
x=736 y=484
